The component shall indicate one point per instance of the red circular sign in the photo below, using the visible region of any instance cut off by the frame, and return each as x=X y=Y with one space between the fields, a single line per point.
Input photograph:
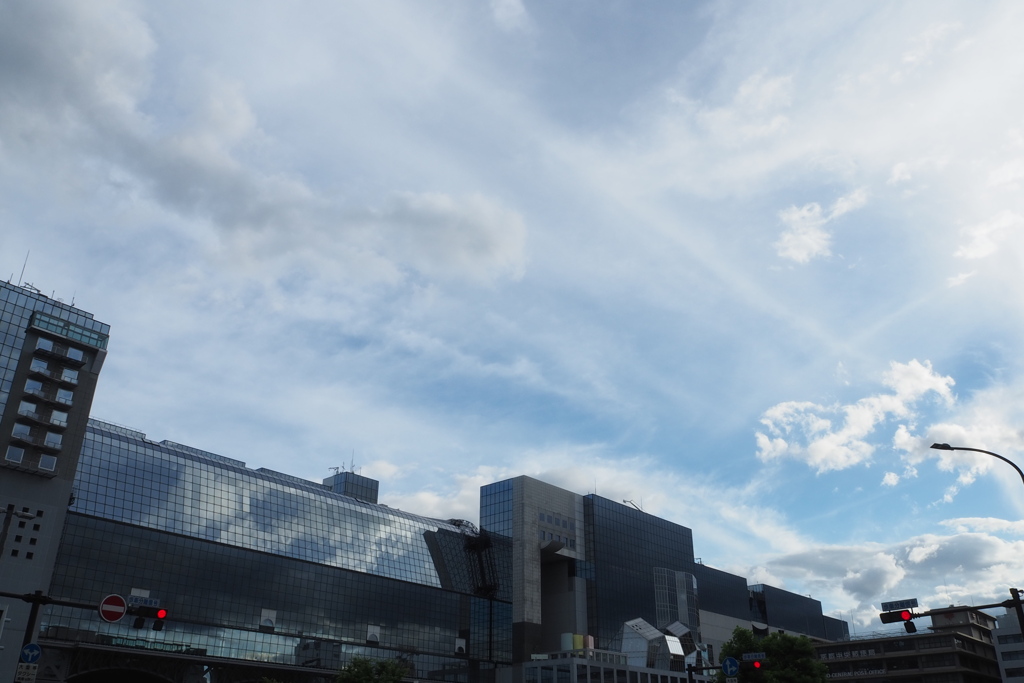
x=112 y=608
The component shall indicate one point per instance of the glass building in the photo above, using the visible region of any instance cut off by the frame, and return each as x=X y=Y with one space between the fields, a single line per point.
x=50 y=358
x=591 y=576
x=259 y=566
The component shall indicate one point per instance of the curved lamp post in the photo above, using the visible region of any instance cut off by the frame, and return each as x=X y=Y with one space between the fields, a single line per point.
x=1013 y=591
x=947 y=447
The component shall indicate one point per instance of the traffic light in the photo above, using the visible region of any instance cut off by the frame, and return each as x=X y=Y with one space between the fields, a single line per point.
x=753 y=671
x=143 y=612
x=904 y=615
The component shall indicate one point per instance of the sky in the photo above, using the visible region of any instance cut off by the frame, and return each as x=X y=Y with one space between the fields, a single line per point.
x=737 y=263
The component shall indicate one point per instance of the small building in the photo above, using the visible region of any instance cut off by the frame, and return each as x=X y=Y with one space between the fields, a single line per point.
x=957 y=648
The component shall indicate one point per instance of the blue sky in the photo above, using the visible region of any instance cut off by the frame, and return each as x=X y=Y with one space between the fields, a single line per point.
x=738 y=262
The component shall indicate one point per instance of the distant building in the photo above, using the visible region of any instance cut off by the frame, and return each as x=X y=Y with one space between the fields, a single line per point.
x=958 y=648
x=50 y=358
x=1010 y=646
x=600 y=576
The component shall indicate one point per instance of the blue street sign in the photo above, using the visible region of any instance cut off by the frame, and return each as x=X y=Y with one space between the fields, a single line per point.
x=730 y=667
x=31 y=653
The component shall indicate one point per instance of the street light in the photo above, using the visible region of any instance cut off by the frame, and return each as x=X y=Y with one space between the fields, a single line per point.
x=947 y=447
x=1013 y=591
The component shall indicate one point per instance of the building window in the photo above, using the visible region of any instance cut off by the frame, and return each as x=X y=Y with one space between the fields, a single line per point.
x=65 y=396
x=1013 y=638
x=28 y=408
x=53 y=440
x=39 y=365
x=47 y=462
x=69 y=375
x=59 y=418
x=33 y=386
x=15 y=454
x=44 y=344
x=21 y=430
x=75 y=354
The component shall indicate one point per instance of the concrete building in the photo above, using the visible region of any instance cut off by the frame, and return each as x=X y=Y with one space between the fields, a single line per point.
x=50 y=358
x=957 y=648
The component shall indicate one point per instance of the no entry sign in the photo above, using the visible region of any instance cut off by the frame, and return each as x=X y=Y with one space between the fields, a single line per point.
x=112 y=608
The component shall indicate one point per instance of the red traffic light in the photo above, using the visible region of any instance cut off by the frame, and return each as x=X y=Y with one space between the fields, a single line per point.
x=892 y=617
x=757 y=665
x=161 y=613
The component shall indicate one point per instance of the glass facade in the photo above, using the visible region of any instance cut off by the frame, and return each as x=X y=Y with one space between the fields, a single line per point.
x=218 y=545
x=589 y=572
x=628 y=550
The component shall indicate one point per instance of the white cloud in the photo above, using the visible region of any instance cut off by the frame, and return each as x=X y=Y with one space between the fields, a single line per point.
x=805 y=237
x=985 y=237
x=510 y=15
x=960 y=278
x=810 y=432
x=890 y=479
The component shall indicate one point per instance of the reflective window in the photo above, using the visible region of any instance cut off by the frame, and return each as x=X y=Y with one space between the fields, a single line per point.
x=69 y=375
x=21 y=430
x=15 y=454
x=53 y=439
x=75 y=354
x=27 y=408
x=65 y=396
x=39 y=365
x=47 y=462
x=44 y=344
x=59 y=418
x=33 y=386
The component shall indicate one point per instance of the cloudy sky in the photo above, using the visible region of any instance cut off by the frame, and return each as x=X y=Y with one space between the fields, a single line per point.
x=740 y=263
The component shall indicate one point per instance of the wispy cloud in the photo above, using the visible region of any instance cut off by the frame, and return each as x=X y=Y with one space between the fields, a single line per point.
x=805 y=237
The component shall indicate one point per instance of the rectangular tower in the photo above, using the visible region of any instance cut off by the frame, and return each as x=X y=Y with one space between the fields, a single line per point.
x=50 y=358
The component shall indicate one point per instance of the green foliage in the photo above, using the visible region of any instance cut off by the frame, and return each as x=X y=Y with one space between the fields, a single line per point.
x=789 y=659
x=365 y=670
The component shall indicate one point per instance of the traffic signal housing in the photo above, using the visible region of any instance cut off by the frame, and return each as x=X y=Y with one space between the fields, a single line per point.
x=143 y=612
x=904 y=615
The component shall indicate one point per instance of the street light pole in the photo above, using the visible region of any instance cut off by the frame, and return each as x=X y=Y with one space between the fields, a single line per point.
x=1013 y=591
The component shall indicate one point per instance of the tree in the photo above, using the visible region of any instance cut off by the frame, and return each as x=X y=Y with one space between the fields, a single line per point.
x=788 y=659
x=366 y=670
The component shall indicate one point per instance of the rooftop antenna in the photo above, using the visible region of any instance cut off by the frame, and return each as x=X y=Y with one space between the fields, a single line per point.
x=335 y=470
x=73 y=297
x=23 y=267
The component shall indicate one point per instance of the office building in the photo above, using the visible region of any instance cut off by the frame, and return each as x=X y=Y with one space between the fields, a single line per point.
x=262 y=573
x=50 y=358
x=1010 y=647
x=589 y=570
x=958 y=648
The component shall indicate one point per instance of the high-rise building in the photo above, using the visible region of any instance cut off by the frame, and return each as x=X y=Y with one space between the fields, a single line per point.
x=50 y=357
x=591 y=570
